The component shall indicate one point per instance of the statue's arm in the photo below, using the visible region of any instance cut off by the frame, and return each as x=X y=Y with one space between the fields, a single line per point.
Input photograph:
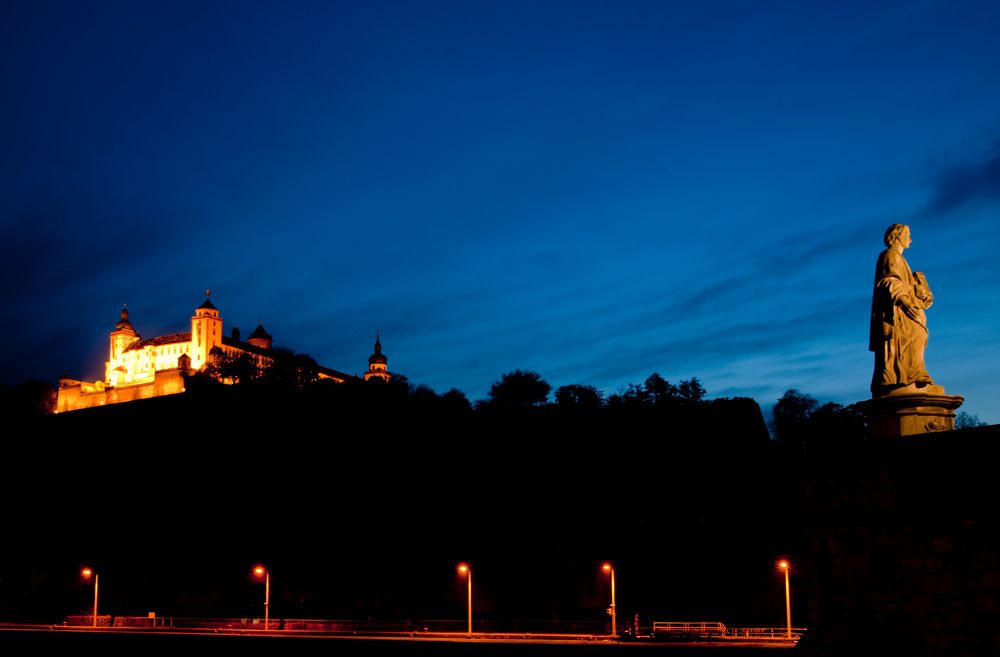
x=896 y=277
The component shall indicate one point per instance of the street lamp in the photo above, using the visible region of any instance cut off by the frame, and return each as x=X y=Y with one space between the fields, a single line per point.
x=463 y=568
x=783 y=565
x=260 y=571
x=87 y=572
x=608 y=568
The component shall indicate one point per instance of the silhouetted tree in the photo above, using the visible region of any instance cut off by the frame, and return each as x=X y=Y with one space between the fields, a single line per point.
x=658 y=391
x=520 y=389
x=290 y=369
x=399 y=385
x=968 y=421
x=630 y=397
x=423 y=394
x=28 y=399
x=232 y=366
x=455 y=402
x=790 y=417
x=579 y=397
x=798 y=419
x=691 y=390
x=832 y=423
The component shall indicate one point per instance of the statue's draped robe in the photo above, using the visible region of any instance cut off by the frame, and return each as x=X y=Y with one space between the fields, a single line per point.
x=898 y=325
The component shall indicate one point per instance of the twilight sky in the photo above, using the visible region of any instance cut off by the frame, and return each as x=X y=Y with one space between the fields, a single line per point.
x=592 y=190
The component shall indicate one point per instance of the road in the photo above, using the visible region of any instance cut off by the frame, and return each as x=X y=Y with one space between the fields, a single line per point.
x=131 y=641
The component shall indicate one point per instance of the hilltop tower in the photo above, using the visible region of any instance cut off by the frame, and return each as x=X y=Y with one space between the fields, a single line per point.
x=121 y=336
x=378 y=363
x=206 y=332
x=260 y=337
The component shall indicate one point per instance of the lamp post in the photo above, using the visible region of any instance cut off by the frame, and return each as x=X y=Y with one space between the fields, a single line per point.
x=87 y=572
x=261 y=571
x=783 y=565
x=464 y=569
x=608 y=568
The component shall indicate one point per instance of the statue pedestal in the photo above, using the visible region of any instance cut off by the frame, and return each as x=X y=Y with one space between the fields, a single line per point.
x=912 y=410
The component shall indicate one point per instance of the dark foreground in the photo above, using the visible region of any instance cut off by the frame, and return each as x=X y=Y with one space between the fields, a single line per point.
x=17 y=641
x=894 y=544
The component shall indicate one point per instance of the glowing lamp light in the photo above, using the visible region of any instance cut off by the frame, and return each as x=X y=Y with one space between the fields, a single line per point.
x=783 y=565
x=261 y=571
x=463 y=568
x=87 y=572
x=608 y=568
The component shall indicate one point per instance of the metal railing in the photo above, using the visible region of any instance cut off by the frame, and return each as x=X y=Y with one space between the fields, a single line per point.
x=523 y=627
x=764 y=633
x=718 y=631
x=510 y=628
x=683 y=628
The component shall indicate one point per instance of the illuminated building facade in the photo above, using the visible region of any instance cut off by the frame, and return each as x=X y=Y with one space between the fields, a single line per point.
x=140 y=369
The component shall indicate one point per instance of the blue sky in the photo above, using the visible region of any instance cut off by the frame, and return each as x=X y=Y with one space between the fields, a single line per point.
x=592 y=190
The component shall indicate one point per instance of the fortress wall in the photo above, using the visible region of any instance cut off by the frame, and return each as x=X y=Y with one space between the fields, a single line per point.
x=166 y=382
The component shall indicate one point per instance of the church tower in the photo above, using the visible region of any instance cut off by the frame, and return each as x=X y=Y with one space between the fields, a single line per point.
x=378 y=363
x=206 y=332
x=120 y=338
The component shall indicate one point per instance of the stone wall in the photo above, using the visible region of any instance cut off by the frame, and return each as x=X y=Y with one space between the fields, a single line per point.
x=901 y=545
x=76 y=395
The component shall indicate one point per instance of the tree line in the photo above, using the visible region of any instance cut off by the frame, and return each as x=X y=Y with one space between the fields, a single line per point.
x=796 y=419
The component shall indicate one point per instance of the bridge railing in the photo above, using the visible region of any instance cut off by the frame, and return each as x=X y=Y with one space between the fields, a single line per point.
x=713 y=630
x=353 y=626
x=685 y=628
x=764 y=633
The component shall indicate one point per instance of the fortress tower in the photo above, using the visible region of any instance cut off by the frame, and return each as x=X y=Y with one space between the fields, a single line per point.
x=206 y=332
x=123 y=335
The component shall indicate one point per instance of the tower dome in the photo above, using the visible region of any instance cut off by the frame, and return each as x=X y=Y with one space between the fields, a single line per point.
x=123 y=324
x=121 y=336
x=378 y=363
x=378 y=356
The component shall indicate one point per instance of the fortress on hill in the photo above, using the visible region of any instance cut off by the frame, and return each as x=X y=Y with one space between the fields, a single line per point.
x=140 y=369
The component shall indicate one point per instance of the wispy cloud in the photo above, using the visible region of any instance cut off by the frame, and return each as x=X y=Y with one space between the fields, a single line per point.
x=971 y=182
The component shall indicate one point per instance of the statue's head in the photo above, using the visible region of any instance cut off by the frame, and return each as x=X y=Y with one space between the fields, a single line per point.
x=894 y=233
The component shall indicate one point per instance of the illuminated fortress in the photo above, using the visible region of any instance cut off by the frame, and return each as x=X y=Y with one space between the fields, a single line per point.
x=140 y=369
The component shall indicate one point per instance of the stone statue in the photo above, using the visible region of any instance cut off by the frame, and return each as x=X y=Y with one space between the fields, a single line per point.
x=898 y=323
